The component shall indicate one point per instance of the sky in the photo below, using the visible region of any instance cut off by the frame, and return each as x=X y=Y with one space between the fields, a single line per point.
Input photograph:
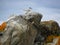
x=50 y=9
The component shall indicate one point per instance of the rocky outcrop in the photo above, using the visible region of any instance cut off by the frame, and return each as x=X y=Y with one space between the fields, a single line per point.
x=52 y=30
x=27 y=29
x=52 y=25
x=20 y=30
x=48 y=30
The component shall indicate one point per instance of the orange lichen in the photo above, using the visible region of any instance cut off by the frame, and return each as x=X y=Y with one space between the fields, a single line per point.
x=58 y=43
x=49 y=38
x=52 y=37
x=3 y=26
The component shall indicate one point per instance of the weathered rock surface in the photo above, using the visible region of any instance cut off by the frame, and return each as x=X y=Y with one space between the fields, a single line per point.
x=19 y=31
x=52 y=25
x=27 y=29
x=48 y=29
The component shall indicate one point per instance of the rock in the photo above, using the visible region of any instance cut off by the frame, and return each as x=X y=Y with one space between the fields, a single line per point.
x=51 y=28
x=20 y=31
x=27 y=29
x=41 y=35
x=33 y=17
x=52 y=25
x=47 y=28
x=55 y=40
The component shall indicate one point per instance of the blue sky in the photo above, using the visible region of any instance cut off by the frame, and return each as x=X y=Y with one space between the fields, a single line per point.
x=50 y=9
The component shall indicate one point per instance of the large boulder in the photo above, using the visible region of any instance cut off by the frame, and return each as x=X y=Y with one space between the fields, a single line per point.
x=52 y=25
x=20 y=31
x=33 y=17
x=55 y=40
x=52 y=29
x=47 y=29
